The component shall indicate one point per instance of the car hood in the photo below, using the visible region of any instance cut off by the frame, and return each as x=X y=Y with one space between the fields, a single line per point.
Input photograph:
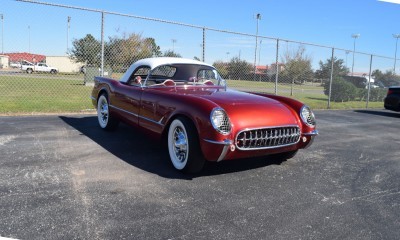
x=247 y=110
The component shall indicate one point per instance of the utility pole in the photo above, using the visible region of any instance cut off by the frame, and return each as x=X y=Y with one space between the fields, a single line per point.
x=68 y=27
x=355 y=36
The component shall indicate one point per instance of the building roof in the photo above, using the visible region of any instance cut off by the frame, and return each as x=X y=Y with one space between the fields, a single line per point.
x=30 y=57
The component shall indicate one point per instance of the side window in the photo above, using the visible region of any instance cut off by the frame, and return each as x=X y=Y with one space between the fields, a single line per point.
x=138 y=77
x=164 y=71
x=207 y=75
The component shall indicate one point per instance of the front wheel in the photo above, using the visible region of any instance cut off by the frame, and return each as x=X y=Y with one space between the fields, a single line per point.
x=106 y=121
x=183 y=146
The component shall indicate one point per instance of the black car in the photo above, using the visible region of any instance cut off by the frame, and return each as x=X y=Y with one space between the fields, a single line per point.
x=392 y=100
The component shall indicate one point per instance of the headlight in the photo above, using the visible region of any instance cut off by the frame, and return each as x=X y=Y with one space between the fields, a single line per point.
x=307 y=116
x=220 y=121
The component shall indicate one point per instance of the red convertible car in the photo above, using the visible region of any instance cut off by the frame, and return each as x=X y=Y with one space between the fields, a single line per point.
x=187 y=104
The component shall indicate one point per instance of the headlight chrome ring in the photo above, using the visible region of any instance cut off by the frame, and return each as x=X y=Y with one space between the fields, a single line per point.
x=220 y=121
x=307 y=116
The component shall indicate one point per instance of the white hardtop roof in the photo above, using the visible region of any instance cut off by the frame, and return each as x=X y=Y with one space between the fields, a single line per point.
x=155 y=62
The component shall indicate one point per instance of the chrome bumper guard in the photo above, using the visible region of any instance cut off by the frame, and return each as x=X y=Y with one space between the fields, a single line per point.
x=227 y=144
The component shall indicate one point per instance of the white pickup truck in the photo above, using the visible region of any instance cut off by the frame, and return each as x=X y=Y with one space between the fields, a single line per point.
x=40 y=67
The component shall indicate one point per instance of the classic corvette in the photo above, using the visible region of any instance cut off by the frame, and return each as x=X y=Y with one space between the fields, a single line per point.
x=186 y=103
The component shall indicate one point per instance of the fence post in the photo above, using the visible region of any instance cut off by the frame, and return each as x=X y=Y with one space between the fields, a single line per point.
x=331 y=78
x=369 y=81
x=102 y=44
x=204 y=44
x=276 y=66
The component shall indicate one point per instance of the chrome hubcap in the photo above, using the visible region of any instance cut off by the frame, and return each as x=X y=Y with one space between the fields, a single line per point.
x=103 y=112
x=180 y=144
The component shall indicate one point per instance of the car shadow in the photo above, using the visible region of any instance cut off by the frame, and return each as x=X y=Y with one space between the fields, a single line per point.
x=138 y=150
x=383 y=113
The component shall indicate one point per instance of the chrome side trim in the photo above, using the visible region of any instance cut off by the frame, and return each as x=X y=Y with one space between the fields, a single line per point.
x=151 y=120
x=122 y=110
x=312 y=133
x=138 y=116
x=227 y=143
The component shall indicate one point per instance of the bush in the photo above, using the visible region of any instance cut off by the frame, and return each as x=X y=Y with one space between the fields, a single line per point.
x=342 y=91
x=375 y=94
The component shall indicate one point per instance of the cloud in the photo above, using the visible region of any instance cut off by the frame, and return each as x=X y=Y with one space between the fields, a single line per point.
x=390 y=1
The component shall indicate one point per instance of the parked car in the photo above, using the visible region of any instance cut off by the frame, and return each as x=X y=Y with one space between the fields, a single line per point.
x=15 y=65
x=392 y=100
x=187 y=104
x=39 y=67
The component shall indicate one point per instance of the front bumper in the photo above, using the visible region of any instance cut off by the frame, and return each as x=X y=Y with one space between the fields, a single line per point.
x=226 y=149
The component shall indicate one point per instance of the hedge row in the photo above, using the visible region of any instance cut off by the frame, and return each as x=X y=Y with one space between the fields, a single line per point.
x=344 y=91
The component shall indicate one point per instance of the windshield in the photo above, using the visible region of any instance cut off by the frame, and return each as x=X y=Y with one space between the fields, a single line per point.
x=185 y=74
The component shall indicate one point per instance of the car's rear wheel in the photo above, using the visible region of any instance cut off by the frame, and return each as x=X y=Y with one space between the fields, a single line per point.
x=29 y=70
x=183 y=146
x=106 y=121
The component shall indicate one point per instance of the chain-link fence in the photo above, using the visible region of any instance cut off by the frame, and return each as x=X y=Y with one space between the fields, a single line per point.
x=53 y=73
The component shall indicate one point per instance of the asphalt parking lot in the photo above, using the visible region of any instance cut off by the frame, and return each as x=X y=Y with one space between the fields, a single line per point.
x=61 y=177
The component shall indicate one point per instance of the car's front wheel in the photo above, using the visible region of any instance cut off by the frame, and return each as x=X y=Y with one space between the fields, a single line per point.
x=106 y=121
x=183 y=146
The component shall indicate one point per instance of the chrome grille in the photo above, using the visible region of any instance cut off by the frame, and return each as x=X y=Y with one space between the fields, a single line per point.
x=265 y=138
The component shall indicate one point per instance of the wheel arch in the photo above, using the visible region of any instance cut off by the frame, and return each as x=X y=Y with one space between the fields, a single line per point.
x=101 y=92
x=164 y=134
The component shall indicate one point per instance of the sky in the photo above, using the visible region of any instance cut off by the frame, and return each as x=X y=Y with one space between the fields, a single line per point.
x=43 y=29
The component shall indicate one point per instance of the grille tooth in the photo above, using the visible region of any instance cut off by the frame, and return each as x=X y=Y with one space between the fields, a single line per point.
x=265 y=138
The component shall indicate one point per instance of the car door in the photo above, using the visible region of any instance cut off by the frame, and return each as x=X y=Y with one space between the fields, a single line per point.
x=127 y=96
x=127 y=101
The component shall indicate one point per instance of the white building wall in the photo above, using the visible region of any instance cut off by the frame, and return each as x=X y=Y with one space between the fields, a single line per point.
x=4 y=61
x=63 y=63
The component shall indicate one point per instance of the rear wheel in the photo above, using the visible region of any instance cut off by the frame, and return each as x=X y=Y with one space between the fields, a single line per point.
x=106 y=121
x=183 y=146
x=29 y=70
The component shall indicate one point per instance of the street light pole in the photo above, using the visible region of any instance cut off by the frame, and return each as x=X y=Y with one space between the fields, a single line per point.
x=259 y=52
x=258 y=17
x=2 y=31
x=397 y=36
x=68 y=26
x=173 y=44
x=355 y=36
x=347 y=53
x=29 y=39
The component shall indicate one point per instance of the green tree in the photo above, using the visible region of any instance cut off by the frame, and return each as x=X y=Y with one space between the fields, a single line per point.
x=342 y=90
x=324 y=71
x=154 y=48
x=222 y=68
x=387 y=79
x=297 y=66
x=239 y=69
x=170 y=53
x=122 y=51
x=86 y=50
